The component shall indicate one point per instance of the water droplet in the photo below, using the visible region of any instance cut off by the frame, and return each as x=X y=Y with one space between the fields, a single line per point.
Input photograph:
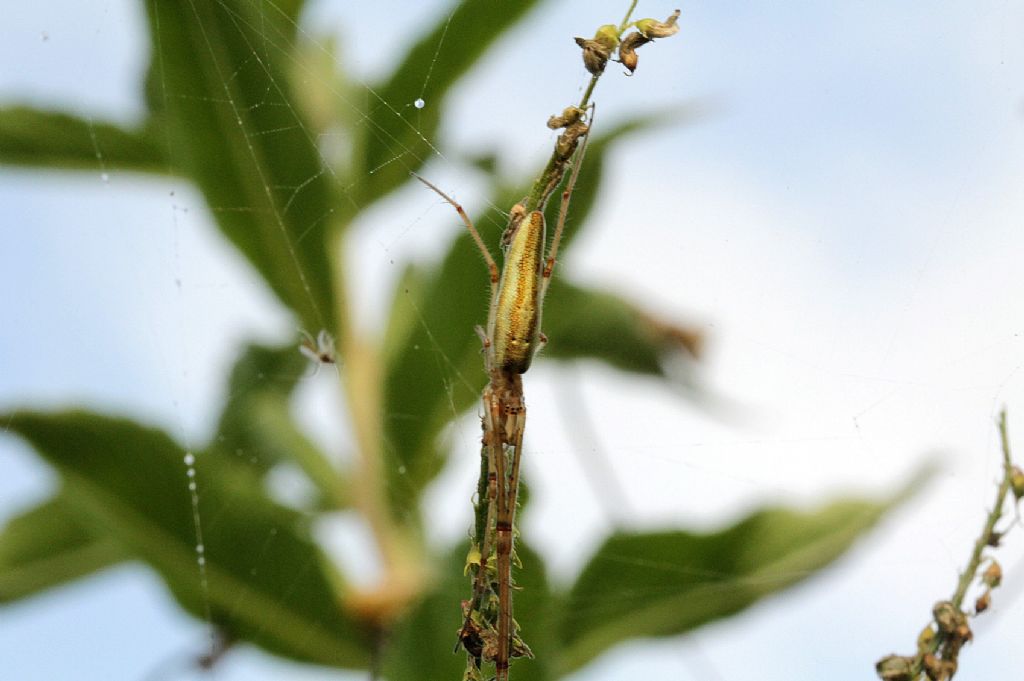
x=192 y=486
x=200 y=548
x=419 y=103
x=401 y=470
x=105 y=177
x=190 y=460
x=191 y=472
x=201 y=560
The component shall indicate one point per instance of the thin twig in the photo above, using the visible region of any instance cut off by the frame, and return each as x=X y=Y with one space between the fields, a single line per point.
x=986 y=539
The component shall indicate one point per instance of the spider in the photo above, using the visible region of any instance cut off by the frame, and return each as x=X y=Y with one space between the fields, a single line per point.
x=511 y=339
x=320 y=350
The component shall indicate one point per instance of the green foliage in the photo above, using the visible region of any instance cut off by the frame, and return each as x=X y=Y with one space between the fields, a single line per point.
x=668 y=583
x=265 y=580
x=47 y=546
x=42 y=139
x=227 y=110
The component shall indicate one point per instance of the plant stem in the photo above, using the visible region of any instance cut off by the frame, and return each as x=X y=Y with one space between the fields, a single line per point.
x=361 y=382
x=984 y=540
x=551 y=177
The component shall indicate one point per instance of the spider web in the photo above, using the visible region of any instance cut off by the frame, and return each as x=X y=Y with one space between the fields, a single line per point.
x=842 y=355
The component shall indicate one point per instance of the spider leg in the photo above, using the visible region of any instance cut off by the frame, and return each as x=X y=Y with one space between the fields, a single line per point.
x=492 y=267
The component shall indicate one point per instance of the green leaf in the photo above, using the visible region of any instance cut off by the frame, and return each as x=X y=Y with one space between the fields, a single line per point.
x=218 y=85
x=264 y=580
x=588 y=323
x=667 y=583
x=47 y=546
x=396 y=136
x=421 y=644
x=257 y=428
x=435 y=371
x=53 y=139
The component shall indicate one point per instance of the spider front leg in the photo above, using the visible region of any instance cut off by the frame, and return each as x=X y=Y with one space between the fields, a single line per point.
x=492 y=267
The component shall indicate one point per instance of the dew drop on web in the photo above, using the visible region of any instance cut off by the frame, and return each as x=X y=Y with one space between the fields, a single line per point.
x=419 y=103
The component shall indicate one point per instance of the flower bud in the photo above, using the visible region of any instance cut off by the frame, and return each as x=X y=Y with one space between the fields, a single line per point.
x=1017 y=482
x=924 y=639
x=651 y=28
x=607 y=36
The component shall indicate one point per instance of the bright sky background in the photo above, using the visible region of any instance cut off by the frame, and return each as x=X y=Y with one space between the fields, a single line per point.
x=845 y=224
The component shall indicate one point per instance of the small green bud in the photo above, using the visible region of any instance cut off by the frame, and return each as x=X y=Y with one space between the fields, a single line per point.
x=1017 y=482
x=924 y=639
x=652 y=28
x=607 y=36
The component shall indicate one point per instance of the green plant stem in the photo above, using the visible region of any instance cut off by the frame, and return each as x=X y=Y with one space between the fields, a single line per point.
x=984 y=540
x=553 y=171
x=401 y=555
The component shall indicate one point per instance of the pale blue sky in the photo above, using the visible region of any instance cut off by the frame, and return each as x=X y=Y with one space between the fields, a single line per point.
x=845 y=223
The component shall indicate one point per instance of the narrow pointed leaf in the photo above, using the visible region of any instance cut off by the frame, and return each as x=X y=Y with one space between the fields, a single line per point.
x=218 y=85
x=264 y=580
x=53 y=139
x=667 y=583
x=594 y=324
x=47 y=546
x=397 y=137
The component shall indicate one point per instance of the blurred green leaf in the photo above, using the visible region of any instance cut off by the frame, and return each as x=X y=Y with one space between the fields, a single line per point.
x=47 y=546
x=435 y=370
x=266 y=582
x=667 y=583
x=395 y=133
x=257 y=428
x=588 y=323
x=421 y=645
x=218 y=85
x=53 y=139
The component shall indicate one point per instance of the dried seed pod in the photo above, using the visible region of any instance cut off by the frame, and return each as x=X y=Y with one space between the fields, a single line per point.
x=652 y=28
x=595 y=55
x=570 y=115
x=567 y=141
x=945 y=614
x=894 y=668
x=984 y=600
x=993 y=575
x=627 y=50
